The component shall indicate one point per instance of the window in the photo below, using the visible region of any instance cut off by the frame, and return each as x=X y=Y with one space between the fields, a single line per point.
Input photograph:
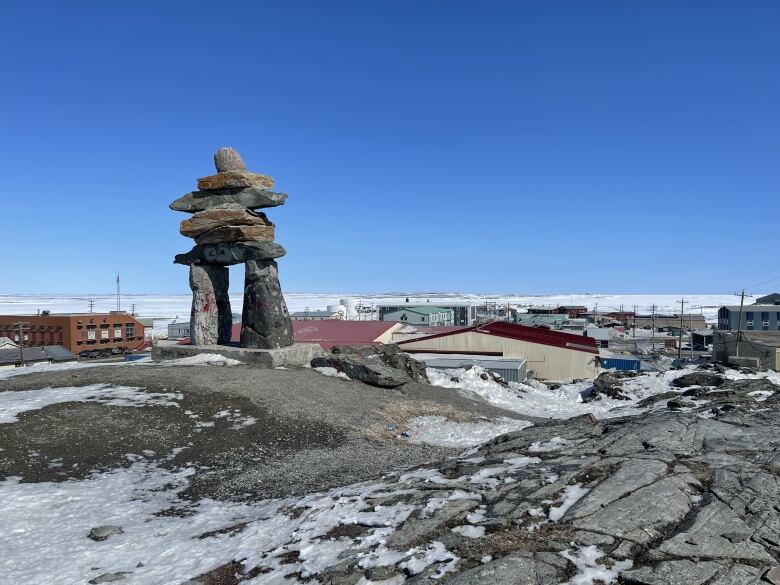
x=129 y=330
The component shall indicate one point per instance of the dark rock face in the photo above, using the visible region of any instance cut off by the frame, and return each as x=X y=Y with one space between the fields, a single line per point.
x=233 y=180
x=229 y=254
x=698 y=379
x=610 y=384
x=390 y=355
x=370 y=370
x=228 y=159
x=250 y=197
x=210 y=316
x=688 y=497
x=266 y=322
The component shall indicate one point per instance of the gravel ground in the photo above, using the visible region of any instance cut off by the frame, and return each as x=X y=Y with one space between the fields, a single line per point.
x=311 y=432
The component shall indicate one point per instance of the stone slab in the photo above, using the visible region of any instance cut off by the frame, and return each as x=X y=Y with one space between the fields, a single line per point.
x=250 y=197
x=230 y=215
x=233 y=179
x=298 y=354
x=228 y=234
x=229 y=254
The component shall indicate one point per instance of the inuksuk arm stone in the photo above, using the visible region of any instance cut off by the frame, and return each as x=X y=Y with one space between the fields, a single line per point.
x=210 y=317
x=229 y=254
x=235 y=180
x=265 y=322
x=250 y=197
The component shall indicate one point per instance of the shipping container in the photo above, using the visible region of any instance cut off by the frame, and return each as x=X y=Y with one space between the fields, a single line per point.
x=620 y=364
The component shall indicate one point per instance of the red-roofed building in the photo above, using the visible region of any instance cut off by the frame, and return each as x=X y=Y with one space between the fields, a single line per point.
x=337 y=332
x=551 y=355
x=330 y=332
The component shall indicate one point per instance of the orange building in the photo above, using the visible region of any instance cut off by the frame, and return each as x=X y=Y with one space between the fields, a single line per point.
x=76 y=331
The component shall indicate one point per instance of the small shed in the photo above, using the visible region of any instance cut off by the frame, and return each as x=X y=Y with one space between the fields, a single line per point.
x=510 y=369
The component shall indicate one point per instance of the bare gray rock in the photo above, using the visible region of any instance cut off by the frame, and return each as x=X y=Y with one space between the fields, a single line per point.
x=698 y=379
x=370 y=370
x=100 y=533
x=390 y=355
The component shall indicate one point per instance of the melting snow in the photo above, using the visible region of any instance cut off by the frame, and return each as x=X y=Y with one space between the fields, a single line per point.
x=571 y=494
x=589 y=571
x=438 y=430
x=333 y=372
x=15 y=402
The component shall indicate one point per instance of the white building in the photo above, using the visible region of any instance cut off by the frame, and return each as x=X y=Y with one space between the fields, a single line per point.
x=424 y=315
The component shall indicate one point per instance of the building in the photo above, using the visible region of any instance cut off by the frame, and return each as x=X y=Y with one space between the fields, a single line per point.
x=573 y=311
x=754 y=318
x=773 y=299
x=545 y=320
x=757 y=349
x=10 y=358
x=178 y=329
x=510 y=369
x=624 y=317
x=423 y=315
x=76 y=331
x=338 y=332
x=7 y=343
x=316 y=315
x=550 y=355
x=602 y=335
x=702 y=339
x=464 y=312
x=689 y=321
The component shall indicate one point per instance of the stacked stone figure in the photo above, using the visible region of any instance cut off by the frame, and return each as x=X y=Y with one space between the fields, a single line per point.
x=228 y=230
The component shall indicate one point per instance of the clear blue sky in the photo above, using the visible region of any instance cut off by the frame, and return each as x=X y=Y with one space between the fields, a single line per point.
x=527 y=147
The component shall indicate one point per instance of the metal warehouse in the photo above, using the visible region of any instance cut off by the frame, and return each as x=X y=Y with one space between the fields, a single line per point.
x=550 y=355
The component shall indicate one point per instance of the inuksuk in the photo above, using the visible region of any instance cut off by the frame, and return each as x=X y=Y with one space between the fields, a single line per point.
x=228 y=230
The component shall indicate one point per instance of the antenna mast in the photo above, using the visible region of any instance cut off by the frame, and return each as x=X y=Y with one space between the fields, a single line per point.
x=117 y=292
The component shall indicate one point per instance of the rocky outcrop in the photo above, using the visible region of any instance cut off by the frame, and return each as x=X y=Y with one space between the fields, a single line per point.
x=369 y=370
x=698 y=379
x=610 y=385
x=669 y=497
x=390 y=355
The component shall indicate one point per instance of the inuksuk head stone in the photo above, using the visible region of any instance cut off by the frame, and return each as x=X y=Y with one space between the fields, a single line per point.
x=228 y=229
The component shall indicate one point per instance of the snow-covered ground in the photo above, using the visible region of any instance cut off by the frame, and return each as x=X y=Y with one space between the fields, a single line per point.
x=165 y=308
x=45 y=525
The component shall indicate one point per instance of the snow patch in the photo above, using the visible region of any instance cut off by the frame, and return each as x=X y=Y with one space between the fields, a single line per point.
x=571 y=494
x=332 y=372
x=202 y=359
x=442 y=432
x=14 y=402
x=589 y=570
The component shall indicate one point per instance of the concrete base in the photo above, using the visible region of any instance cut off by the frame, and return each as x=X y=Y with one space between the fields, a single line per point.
x=298 y=354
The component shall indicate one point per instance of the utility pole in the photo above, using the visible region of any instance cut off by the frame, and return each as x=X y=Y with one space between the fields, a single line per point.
x=21 y=329
x=633 y=328
x=739 y=322
x=132 y=309
x=91 y=305
x=690 y=314
x=652 y=328
x=679 y=336
x=117 y=293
